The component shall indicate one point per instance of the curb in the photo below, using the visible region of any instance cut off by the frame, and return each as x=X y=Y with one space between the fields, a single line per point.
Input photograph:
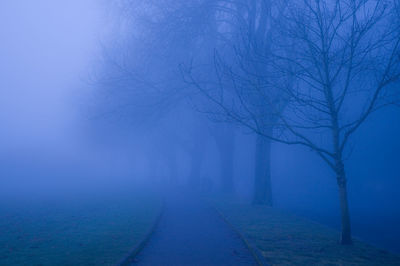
x=129 y=259
x=255 y=252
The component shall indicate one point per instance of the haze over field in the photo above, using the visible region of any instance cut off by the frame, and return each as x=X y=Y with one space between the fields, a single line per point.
x=242 y=105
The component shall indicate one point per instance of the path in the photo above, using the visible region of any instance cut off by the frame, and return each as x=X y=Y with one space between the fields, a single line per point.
x=192 y=233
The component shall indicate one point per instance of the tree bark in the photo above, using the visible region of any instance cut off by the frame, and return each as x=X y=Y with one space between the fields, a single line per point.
x=197 y=154
x=173 y=167
x=262 y=180
x=344 y=205
x=195 y=170
x=227 y=170
x=225 y=141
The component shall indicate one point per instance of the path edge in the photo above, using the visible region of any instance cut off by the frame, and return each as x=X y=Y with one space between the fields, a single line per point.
x=254 y=250
x=130 y=258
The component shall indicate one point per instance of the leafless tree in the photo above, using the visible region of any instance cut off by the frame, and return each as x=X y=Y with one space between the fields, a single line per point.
x=142 y=73
x=242 y=48
x=332 y=63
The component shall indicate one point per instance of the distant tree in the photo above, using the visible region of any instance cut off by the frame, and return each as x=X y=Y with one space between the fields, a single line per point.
x=333 y=63
x=242 y=51
x=224 y=136
x=142 y=77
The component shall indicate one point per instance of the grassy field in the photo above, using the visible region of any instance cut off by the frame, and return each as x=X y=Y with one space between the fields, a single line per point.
x=98 y=230
x=285 y=239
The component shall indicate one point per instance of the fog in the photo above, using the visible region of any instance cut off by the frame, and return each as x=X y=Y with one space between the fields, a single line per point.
x=47 y=50
x=140 y=132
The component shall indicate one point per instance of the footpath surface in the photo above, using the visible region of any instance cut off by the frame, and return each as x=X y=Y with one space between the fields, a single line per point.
x=191 y=233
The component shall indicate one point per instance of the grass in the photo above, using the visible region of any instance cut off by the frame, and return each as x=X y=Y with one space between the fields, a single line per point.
x=285 y=239
x=90 y=231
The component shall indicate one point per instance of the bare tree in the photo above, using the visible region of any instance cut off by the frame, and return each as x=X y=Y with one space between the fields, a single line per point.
x=244 y=30
x=332 y=63
x=142 y=77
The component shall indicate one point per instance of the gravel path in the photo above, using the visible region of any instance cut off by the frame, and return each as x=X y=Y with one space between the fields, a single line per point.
x=192 y=233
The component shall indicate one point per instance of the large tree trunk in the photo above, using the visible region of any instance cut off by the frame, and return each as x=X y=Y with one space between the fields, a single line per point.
x=344 y=205
x=227 y=170
x=225 y=140
x=195 y=170
x=197 y=154
x=262 y=180
x=173 y=167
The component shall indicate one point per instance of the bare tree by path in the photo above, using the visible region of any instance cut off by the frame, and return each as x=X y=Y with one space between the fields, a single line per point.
x=335 y=63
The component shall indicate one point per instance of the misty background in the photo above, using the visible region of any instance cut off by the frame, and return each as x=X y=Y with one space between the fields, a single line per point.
x=72 y=124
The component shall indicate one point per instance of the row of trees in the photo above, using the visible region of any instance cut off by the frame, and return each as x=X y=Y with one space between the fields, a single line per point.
x=141 y=80
x=304 y=72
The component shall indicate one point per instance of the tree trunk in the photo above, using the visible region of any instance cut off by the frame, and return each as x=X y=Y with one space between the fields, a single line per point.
x=197 y=157
x=344 y=206
x=227 y=170
x=225 y=140
x=195 y=170
x=262 y=180
x=173 y=167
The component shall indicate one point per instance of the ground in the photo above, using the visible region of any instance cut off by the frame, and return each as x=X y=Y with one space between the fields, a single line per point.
x=98 y=230
x=104 y=229
x=285 y=239
x=190 y=232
